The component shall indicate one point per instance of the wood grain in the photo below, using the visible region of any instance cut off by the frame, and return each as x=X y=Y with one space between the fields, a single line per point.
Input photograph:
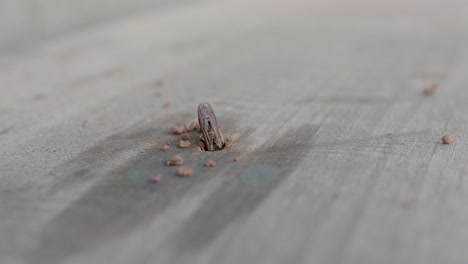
x=340 y=152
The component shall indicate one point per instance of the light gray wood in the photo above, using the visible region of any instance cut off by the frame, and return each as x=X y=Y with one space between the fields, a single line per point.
x=340 y=152
x=24 y=23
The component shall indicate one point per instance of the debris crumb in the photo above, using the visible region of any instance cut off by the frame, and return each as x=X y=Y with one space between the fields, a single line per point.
x=84 y=123
x=167 y=104
x=175 y=160
x=155 y=179
x=160 y=83
x=210 y=163
x=39 y=97
x=184 y=144
x=184 y=171
x=236 y=159
x=165 y=148
x=336 y=196
x=448 y=139
x=192 y=126
x=178 y=130
x=431 y=90
x=185 y=136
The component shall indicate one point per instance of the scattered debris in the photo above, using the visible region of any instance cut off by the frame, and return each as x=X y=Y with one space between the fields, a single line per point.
x=210 y=163
x=431 y=90
x=84 y=123
x=336 y=196
x=185 y=136
x=160 y=83
x=175 y=160
x=165 y=148
x=39 y=97
x=192 y=126
x=448 y=139
x=178 y=130
x=236 y=159
x=184 y=144
x=184 y=171
x=167 y=104
x=155 y=179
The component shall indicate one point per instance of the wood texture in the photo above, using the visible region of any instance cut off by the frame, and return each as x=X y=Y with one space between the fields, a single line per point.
x=340 y=158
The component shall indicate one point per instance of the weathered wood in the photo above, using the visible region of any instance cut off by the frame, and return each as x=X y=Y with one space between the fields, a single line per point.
x=340 y=158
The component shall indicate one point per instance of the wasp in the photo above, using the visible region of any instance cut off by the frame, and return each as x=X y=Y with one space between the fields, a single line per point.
x=211 y=138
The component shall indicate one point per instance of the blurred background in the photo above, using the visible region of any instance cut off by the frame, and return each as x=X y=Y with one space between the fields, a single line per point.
x=336 y=109
x=25 y=22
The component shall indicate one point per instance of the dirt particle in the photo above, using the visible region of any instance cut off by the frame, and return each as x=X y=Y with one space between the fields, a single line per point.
x=175 y=160
x=192 y=126
x=210 y=163
x=185 y=136
x=184 y=171
x=184 y=144
x=167 y=104
x=84 y=123
x=336 y=196
x=236 y=159
x=178 y=130
x=431 y=90
x=155 y=179
x=159 y=83
x=165 y=148
x=448 y=139
x=39 y=97
x=406 y=205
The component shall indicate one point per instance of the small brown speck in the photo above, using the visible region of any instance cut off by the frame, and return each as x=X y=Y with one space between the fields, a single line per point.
x=175 y=160
x=39 y=97
x=84 y=123
x=167 y=104
x=185 y=136
x=178 y=130
x=336 y=196
x=155 y=179
x=192 y=126
x=210 y=163
x=184 y=144
x=160 y=83
x=431 y=90
x=165 y=148
x=184 y=171
x=236 y=159
x=448 y=139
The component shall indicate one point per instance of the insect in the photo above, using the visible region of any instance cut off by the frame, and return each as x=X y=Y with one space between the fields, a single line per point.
x=211 y=138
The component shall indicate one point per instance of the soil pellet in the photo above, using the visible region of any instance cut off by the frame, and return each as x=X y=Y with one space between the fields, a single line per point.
x=184 y=171
x=431 y=90
x=192 y=126
x=448 y=139
x=165 y=148
x=184 y=144
x=185 y=136
x=175 y=160
x=210 y=163
x=155 y=179
x=178 y=130
x=236 y=159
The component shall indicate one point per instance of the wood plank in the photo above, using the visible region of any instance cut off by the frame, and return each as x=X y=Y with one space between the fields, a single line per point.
x=340 y=158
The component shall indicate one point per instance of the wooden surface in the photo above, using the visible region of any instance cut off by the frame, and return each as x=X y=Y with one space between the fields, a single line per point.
x=24 y=23
x=340 y=152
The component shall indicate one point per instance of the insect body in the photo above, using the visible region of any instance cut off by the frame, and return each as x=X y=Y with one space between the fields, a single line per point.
x=211 y=138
